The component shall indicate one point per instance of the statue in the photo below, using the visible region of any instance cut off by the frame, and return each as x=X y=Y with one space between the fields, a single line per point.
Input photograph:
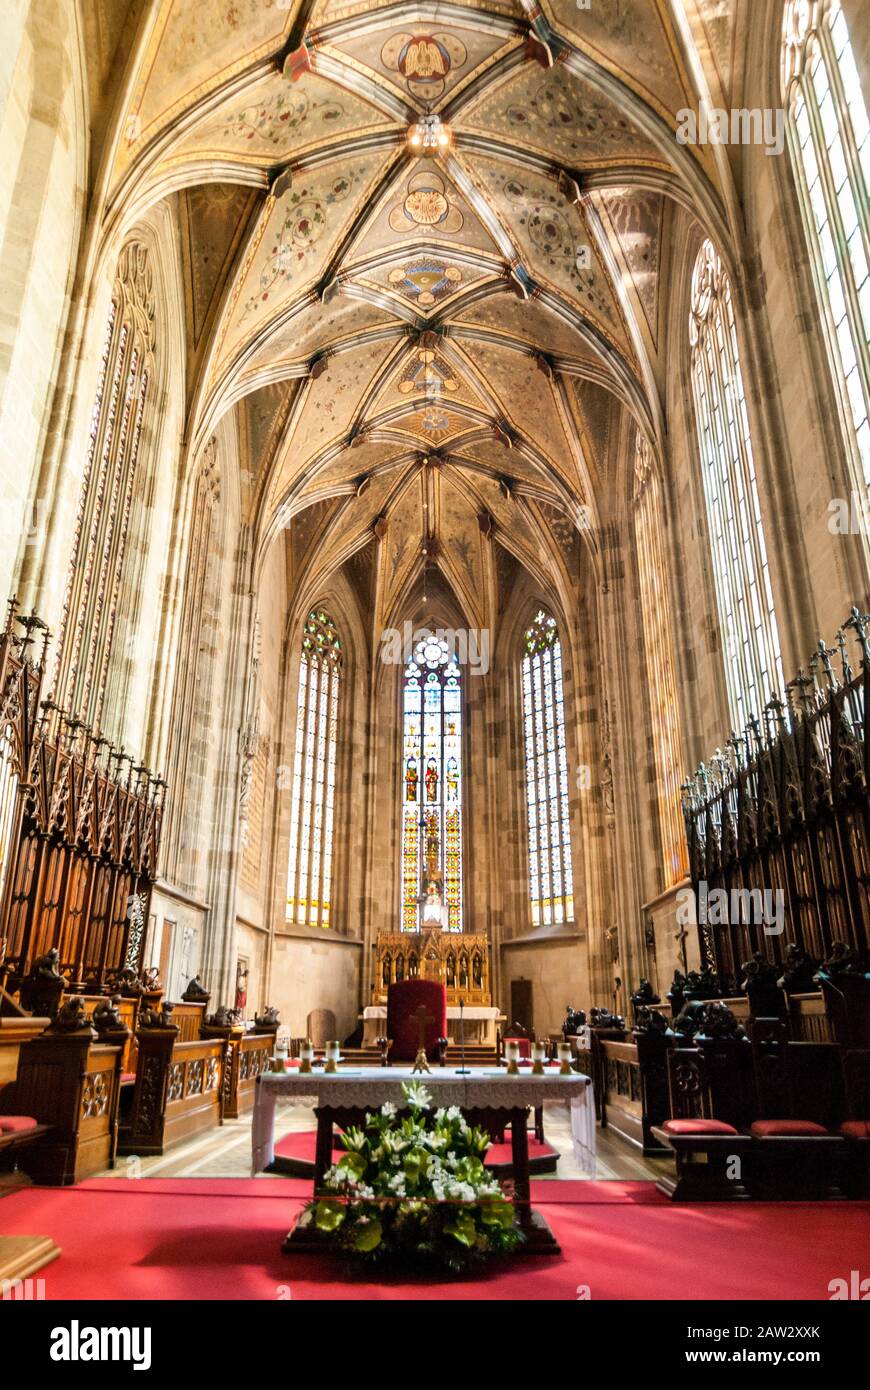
x=575 y=1020
x=107 y=1019
x=434 y=913
x=71 y=1018
x=268 y=1020
x=603 y=1018
x=242 y=973
x=157 y=1018
x=127 y=982
x=196 y=993
x=799 y=971
x=649 y=1020
x=644 y=996
x=843 y=960
x=46 y=967
x=707 y=1019
x=758 y=980
x=223 y=1017
x=151 y=980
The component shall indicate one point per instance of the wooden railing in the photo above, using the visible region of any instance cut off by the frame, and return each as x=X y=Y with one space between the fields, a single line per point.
x=785 y=809
x=81 y=828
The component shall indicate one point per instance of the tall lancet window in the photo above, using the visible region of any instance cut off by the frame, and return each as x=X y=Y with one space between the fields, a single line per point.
x=551 y=882
x=309 y=873
x=829 y=135
x=753 y=664
x=432 y=788
x=106 y=515
x=649 y=523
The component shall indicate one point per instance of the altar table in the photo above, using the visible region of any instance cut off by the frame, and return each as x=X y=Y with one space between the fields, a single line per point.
x=345 y=1096
x=480 y=1021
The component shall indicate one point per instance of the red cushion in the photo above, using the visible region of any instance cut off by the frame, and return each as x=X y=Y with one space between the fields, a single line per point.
x=525 y=1045
x=403 y=1000
x=856 y=1129
x=795 y=1129
x=16 y=1124
x=697 y=1127
x=127 y=1078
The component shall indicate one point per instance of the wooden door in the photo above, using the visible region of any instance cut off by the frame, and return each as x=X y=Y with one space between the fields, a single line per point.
x=521 y=1010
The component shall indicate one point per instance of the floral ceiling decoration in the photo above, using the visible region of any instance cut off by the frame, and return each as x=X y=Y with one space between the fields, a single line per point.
x=411 y=338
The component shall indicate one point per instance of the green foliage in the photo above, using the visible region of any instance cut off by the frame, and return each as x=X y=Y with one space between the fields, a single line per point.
x=412 y=1185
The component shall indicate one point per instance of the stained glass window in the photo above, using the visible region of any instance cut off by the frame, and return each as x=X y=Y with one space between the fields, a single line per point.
x=829 y=136
x=431 y=783
x=110 y=520
x=659 y=651
x=551 y=883
x=753 y=664
x=312 y=807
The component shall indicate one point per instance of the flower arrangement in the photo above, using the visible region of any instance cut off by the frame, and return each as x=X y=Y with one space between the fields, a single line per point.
x=412 y=1184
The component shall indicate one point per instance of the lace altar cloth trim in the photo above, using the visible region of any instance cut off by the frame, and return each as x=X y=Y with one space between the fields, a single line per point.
x=371 y=1087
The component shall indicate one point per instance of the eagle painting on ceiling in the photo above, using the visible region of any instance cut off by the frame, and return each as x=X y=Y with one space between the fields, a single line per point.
x=424 y=61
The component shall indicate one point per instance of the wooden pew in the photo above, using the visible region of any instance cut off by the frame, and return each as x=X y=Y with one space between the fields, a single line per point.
x=246 y=1057
x=177 y=1093
x=16 y=1029
x=635 y=1089
x=69 y=1083
x=800 y=1105
x=709 y=1109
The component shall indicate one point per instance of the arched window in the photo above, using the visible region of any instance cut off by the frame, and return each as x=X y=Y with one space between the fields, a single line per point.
x=432 y=788
x=309 y=872
x=829 y=136
x=106 y=500
x=551 y=882
x=753 y=664
x=659 y=651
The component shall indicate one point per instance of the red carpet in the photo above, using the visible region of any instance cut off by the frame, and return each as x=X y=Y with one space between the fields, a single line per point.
x=165 y=1239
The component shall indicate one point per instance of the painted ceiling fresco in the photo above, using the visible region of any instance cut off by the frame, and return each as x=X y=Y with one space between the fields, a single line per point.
x=423 y=252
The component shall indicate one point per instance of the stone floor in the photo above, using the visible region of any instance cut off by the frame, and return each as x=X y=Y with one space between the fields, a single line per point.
x=226 y=1152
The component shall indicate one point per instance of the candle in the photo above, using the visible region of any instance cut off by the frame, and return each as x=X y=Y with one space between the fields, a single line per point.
x=539 y=1057
x=333 y=1053
x=512 y=1055
x=306 y=1056
x=565 y=1055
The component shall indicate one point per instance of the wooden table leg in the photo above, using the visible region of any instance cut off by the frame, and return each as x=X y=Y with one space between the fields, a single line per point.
x=323 y=1149
x=539 y=1238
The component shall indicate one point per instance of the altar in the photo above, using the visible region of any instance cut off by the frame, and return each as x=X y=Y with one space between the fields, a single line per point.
x=344 y=1097
x=480 y=1023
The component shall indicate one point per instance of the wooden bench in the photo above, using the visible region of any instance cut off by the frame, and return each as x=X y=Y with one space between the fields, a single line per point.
x=70 y=1085
x=634 y=1088
x=177 y=1093
x=19 y=1130
x=706 y=1129
x=800 y=1105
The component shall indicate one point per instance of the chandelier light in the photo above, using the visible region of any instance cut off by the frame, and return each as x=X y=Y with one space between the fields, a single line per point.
x=429 y=133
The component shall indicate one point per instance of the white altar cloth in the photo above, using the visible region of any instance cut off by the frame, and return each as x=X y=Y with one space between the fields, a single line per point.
x=369 y=1087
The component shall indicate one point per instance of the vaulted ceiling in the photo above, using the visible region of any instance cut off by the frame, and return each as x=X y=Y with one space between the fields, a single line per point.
x=425 y=344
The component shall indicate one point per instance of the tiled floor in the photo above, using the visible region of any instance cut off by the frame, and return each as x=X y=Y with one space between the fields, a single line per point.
x=226 y=1152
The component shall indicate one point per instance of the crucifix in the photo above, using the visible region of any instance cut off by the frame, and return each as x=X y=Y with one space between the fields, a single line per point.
x=680 y=937
x=422 y=1018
